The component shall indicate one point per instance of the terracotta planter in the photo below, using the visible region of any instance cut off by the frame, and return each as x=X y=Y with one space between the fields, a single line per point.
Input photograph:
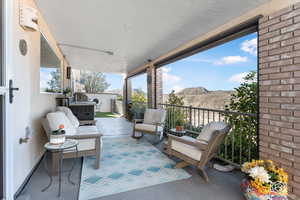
x=57 y=139
x=179 y=128
x=251 y=193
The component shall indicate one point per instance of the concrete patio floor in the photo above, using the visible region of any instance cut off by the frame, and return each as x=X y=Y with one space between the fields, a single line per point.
x=222 y=186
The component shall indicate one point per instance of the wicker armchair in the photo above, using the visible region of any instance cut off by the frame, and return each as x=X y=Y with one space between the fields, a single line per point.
x=201 y=150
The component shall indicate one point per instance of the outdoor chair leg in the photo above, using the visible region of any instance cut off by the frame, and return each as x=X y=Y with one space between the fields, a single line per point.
x=136 y=137
x=210 y=164
x=182 y=164
x=204 y=174
x=98 y=153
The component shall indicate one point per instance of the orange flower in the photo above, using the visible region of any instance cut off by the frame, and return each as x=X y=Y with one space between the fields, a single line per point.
x=61 y=126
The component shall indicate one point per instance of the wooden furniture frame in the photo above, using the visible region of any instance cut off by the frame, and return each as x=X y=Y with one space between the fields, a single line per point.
x=92 y=152
x=208 y=149
x=135 y=121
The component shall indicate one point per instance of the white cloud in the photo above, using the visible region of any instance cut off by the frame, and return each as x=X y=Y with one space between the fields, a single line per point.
x=238 y=78
x=169 y=78
x=44 y=78
x=250 y=46
x=177 y=88
x=166 y=69
x=231 y=60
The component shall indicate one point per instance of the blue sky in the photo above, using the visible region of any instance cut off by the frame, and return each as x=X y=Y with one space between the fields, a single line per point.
x=219 y=68
x=45 y=77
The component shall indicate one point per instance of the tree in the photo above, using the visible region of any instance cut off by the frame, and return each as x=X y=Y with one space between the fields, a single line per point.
x=94 y=82
x=175 y=115
x=245 y=97
x=138 y=96
x=173 y=99
x=55 y=83
x=139 y=101
x=242 y=142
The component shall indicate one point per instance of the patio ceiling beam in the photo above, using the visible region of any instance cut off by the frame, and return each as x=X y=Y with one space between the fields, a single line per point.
x=250 y=26
x=262 y=10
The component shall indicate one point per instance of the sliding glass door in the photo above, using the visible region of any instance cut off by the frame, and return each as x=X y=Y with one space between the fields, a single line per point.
x=2 y=104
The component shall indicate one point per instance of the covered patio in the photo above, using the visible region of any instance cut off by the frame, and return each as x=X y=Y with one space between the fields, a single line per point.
x=131 y=38
x=222 y=185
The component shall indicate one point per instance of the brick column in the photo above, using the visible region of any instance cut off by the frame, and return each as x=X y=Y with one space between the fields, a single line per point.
x=151 y=86
x=126 y=96
x=159 y=86
x=154 y=86
x=279 y=101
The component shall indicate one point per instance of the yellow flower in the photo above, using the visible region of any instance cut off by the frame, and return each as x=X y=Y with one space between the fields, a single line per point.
x=260 y=187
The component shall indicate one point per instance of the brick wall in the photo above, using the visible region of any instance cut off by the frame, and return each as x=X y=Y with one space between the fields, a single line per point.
x=154 y=86
x=159 y=86
x=150 y=86
x=279 y=73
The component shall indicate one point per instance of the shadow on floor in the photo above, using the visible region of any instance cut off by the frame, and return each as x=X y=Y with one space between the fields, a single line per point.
x=222 y=186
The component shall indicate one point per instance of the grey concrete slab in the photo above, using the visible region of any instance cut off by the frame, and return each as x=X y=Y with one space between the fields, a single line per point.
x=222 y=186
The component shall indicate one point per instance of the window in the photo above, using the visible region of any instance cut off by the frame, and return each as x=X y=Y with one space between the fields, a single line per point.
x=50 y=69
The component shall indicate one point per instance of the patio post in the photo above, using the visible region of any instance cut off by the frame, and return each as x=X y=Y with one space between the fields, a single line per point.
x=151 y=86
x=126 y=96
x=154 y=86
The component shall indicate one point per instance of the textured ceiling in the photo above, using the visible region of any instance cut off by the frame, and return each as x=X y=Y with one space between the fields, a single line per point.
x=135 y=30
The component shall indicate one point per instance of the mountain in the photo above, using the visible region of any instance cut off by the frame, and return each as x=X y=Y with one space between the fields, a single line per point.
x=193 y=91
x=201 y=97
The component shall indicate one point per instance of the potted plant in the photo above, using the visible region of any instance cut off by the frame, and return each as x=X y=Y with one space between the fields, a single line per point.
x=179 y=123
x=264 y=181
x=58 y=136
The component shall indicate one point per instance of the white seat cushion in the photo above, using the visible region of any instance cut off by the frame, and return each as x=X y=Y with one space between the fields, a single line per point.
x=73 y=119
x=86 y=144
x=186 y=149
x=148 y=127
x=87 y=130
x=55 y=119
x=154 y=116
x=207 y=131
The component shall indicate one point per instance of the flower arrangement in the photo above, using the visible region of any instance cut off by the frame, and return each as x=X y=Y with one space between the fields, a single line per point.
x=58 y=136
x=265 y=180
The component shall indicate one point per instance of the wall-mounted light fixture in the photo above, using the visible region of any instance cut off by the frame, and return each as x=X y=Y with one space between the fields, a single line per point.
x=28 y=17
x=68 y=72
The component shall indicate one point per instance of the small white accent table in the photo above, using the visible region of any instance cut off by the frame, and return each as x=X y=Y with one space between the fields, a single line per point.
x=69 y=145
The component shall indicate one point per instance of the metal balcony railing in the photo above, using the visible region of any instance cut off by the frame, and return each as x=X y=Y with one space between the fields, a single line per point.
x=239 y=146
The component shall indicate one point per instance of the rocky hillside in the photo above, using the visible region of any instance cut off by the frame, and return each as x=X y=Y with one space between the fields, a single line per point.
x=201 y=97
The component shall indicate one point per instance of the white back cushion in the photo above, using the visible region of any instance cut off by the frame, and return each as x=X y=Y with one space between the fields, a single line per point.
x=57 y=118
x=69 y=115
x=153 y=116
x=209 y=128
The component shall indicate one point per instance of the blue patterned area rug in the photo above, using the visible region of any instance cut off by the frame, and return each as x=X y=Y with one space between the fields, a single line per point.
x=126 y=165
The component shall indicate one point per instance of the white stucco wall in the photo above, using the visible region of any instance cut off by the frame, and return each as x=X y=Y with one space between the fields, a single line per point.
x=105 y=99
x=29 y=104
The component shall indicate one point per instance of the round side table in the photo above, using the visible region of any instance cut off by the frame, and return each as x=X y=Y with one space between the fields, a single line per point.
x=69 y=145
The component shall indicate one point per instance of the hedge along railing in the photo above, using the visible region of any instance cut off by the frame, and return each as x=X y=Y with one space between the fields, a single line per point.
x=239 y=146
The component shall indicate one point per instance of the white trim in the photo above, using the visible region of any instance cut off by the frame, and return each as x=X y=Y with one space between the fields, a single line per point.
x=8 y=125
x=3 y=90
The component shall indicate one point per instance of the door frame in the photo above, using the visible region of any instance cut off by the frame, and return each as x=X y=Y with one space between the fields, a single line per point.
x=2 y=112
x=6 y=117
